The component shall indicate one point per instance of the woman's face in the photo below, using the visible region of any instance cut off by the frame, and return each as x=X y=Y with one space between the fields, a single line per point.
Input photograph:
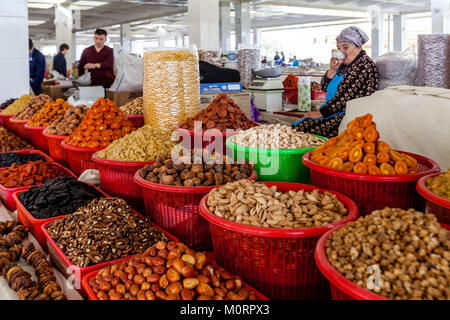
x=351 y=51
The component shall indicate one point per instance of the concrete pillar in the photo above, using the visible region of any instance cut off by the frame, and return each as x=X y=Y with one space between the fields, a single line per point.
x=125 y=37
x=225 y=26
x=377 y=34
x=63 y=27
x=204 y=24
x=257 y=37
x=161 y=37
x=440 y=16
x=242 y=24
x=14 y=59
x=179 y=40
x=400 y=38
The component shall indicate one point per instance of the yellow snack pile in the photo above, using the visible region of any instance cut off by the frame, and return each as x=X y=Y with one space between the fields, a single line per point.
x=144 y=144
x=17 y=105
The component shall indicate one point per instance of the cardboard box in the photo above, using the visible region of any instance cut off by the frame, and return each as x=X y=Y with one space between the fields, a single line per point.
x=46 y=86
x=57 y=92
x=242 y=99
x=122 y=97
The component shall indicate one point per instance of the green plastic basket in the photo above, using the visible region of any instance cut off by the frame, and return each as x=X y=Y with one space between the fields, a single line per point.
x=284 y=165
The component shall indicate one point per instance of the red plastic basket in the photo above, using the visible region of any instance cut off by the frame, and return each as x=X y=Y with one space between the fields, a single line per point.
x=5 y=118
x=76 y=274
x=18 y=127
x=35 y=225
x=291 y=95
x=136 y=120
x=374 y=192
x=92 y=296
x=6 y=194
x=278 y=262
x=55 y=148
x=34 y=151
x=341 y=287
x=117 y=178
x=177 y=209
x=37 y=138
x=437 y=205
x=80 y=159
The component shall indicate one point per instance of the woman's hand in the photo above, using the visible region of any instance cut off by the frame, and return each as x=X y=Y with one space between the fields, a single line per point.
x=334 y=67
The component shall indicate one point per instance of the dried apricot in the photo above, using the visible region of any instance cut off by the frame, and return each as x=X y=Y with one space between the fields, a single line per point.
x=348 y=166
x=369 y=147
x=358 y=133
x=370 y=134
x=370 y=160
x=373 y=170
x=401 y=167
x=356 y=154
x=387 y=169
x=344 y=153
x=336 y=163
x=360 y=168
x=383 y=147
x=366 y=120
x=410 y=161
x=383 y=157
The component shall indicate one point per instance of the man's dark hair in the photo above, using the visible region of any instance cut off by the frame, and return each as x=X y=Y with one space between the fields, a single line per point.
x=63 y=47
x=99 y=32
x=30 y=43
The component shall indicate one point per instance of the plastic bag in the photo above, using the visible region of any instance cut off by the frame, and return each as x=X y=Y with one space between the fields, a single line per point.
x=397 y=68
x=128 y=71
x=84 y=80
x=90 y=176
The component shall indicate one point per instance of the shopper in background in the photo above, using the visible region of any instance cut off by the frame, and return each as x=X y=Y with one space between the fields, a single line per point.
x=277 y=57
x=59 y=61
x=354 y=77
x=99 y=61
x=296 y=62
x=283 y=58
x=37 y=68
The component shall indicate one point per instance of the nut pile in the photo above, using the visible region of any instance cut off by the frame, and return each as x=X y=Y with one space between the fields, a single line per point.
x=10 y=142
x=135 y=107
x=144 y=144
x=58 y=197
x=165 y=171
x=49 y=113
x=440 y=185
x=9 y=158
x=32 y=173
x=255 y=204
x=103 y=123
x=32 y=107
x=276 y=136
x=66 y=124
x=221 y=114
x=7 y=103
x=18 y=279
x=410 y=249
x=104 y=230
x=168 y=271
x=17 y=105
x=358 y=149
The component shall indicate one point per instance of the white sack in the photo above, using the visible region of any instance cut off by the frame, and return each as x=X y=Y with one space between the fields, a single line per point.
x=412 y=119
x=128 y=71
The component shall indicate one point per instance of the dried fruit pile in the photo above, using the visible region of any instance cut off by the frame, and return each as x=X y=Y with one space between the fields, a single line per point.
x=49 y=113
x=7 y=103
x=358 y=149
x=168 y=271
x=32 y=173
x=221 y=114
x=144 y=144
x=135 y=107
x=9 y=158
x=103 y=124
x=165 y=171
x=66 y=124
x=255 y=204
x=10 y=142
x=290 y=81
x=18 y=104
x=32 y=107
x=104 y=230
x=407 y=251
x=440 y=185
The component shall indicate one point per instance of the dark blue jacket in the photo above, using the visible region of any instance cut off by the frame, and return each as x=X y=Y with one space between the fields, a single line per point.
x=37 y=71
x=59 y=64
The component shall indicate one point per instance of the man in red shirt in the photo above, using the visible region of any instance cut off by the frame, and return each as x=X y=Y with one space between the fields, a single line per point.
x=99 y=61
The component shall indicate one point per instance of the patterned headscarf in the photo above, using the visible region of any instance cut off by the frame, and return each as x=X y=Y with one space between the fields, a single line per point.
x=353 y=35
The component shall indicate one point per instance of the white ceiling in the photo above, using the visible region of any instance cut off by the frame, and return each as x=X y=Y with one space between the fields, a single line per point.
x=146 y=15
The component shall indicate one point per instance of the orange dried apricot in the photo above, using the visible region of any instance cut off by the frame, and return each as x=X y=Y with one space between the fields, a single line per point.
x=344 y=153
x=370 y=160
x=356 y=154
x=383 y=157
x=387 y=169
x=396 y=156
x=370 y=134
x=348 y=166
x=358 y=133
x=360 y=168
x=383 y=147
x=366 y=120
x=410 y=161
x=332 y=141
x=324 y=161
x=369 y=147
x=336 y=163
x=357 y=143
x=373 y=170
x=401 y=167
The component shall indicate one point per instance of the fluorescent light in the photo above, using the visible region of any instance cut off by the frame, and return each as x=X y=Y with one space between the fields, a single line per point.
x=90 y=3
x=36 y=22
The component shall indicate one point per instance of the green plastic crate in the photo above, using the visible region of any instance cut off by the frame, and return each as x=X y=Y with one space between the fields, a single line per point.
x=285 y=165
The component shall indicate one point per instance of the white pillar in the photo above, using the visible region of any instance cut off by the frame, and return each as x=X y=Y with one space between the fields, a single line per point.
x=242 y=23
x=439 y=16
x=377 y=34
x=225 y=26
x=63 y=27
x=204 y=24
x=400 y=40
x=14 y=60
x=125 y=37
x=161 y=37
x=179 y=40
x=257 y=37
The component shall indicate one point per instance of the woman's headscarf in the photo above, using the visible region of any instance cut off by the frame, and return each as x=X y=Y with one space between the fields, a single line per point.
x=352 y=35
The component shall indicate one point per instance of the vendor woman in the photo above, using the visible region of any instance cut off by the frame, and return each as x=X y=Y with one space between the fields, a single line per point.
x=353 y=77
